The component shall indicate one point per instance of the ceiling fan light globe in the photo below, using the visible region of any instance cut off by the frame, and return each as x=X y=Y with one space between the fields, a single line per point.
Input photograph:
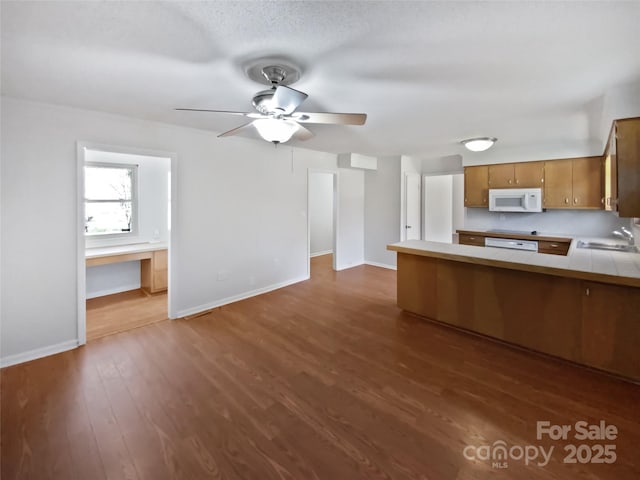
x=479 y=144
x=275 y=130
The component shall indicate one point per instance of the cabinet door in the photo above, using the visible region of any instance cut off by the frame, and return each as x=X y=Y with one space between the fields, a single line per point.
x=529 y=174
x=557 y=184
x=610 y=333
x=476 y=186
x=587 y=183
x=501 y=176
x=160 y=277
x=466 y=239
x=627 y=161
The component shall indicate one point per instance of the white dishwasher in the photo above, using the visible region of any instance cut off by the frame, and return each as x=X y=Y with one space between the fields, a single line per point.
x=528 y=245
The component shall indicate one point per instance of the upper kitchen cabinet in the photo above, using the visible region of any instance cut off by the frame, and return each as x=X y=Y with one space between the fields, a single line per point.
x=622 y=168
x=573 y=183
x=587 y=182
x=476 y=186
x=516 y=175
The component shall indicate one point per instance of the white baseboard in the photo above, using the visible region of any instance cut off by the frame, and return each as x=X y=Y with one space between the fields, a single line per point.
x=111 y=291
x=345 y=267
x=381 y=265
x=38 y=353
x=237 y=298
x=318 y=254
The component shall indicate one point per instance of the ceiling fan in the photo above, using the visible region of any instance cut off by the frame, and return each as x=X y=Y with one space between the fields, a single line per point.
x=276 y=118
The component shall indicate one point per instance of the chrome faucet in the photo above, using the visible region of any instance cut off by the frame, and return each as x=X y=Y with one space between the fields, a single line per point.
x=626 y=234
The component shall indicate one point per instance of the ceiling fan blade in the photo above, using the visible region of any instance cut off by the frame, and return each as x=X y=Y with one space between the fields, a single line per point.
x=236 y=130
x=334 y=118
x=302 y=133
x=245 y=114
x=287 y=99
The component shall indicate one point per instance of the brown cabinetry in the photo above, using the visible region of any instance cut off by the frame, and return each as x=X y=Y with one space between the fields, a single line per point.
x=153 y=272
x=590 y=323
x=622 y=168
x=554 y=248
x=466 y=239
x=546 y=244
x=476 y=186
x=610 y=333
x=573 y=183
x=516 y=175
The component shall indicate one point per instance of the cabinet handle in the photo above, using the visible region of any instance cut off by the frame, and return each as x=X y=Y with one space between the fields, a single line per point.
x=517 y=182
x=566 y=200
x=587 y=292
x=575 y=200
x=510 y=181
x=472 y=238
x=602 y=200
x=554 y=245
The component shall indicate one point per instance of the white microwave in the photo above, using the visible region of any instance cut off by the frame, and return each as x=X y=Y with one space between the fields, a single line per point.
x=515 y=199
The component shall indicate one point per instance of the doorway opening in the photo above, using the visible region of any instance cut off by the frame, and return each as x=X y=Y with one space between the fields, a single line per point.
x=322 y=220
x=124 y=220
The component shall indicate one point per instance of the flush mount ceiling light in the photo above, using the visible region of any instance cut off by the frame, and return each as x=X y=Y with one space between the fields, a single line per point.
x=275 y=130
x=479 y=144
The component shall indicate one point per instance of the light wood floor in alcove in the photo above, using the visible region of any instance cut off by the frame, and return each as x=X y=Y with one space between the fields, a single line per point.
x=325 y=379
x=124 y=311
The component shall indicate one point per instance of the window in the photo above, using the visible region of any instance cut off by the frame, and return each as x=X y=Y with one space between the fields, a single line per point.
x=110 y=201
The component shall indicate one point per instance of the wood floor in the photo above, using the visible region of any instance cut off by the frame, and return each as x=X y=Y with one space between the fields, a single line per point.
x=124 y=311
x=325 y=379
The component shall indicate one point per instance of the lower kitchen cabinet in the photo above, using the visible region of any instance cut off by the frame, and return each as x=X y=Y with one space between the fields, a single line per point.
x=611 y=328
x=590 y=323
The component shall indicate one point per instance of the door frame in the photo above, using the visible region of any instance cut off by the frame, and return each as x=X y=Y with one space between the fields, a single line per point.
x=336 y=182
x=403 y=232
x=81 y=147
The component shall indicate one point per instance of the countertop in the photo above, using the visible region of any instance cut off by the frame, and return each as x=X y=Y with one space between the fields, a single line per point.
x=620 y=268
x=124 y=249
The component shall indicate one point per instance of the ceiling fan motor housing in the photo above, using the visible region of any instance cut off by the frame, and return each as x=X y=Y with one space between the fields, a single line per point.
x=262 y=101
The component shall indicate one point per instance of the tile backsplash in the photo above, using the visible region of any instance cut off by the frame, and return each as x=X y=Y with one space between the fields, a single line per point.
x=574 y=223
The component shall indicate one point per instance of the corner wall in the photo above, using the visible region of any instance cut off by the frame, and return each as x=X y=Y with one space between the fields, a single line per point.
x=382 y=211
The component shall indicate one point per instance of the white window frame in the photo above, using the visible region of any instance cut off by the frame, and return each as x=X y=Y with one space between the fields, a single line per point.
x=134 y=200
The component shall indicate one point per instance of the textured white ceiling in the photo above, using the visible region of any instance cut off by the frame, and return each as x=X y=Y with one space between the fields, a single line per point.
x=428 y=74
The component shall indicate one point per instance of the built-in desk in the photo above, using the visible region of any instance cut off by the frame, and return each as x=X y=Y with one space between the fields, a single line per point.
x=152 y=257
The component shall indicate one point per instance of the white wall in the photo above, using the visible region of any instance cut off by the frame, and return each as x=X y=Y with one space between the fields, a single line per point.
x=382 y=211
x=153 y=203
x=350 y=221
x=240 y=225
x=586 y=223
x=438 y=208
x=321 y=212
x=621 y=101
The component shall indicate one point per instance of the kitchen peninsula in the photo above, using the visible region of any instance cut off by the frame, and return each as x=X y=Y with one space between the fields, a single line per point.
x=583 y=307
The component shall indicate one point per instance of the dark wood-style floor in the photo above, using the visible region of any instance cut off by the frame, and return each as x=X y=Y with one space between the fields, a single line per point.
x=325 y=379
x=124 y=311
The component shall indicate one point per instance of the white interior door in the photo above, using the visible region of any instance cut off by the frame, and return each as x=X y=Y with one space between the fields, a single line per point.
x=412 y=192
x=438 y=208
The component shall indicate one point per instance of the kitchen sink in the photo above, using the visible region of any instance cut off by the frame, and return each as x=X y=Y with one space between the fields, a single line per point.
x=608 y=246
